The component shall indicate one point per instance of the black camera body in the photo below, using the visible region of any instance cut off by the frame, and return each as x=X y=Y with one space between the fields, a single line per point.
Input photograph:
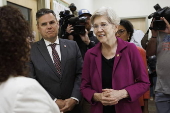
x=63 y=22
x=160 y=12
x=78 y=23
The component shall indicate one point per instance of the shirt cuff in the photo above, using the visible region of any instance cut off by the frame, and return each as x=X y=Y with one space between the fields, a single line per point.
x=55 y=99
x=75 y=99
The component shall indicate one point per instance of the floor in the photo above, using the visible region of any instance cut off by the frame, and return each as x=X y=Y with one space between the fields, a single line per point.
x=152 y=107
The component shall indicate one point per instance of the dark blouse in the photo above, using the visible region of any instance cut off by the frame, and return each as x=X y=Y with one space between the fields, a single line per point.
x=107 y=68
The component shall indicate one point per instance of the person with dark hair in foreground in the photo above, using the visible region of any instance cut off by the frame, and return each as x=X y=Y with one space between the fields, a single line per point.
x=19 y=93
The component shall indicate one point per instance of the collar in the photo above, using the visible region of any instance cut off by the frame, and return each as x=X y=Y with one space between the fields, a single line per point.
x=120 y=47
x=47 y=43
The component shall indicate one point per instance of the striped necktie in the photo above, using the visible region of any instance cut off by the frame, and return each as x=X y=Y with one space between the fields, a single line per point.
x=56 y=58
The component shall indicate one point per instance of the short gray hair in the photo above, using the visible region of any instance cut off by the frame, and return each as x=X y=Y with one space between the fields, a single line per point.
x=109 y=13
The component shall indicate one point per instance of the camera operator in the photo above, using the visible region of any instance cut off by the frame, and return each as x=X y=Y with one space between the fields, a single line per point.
x=159 y=45
x=84 y=41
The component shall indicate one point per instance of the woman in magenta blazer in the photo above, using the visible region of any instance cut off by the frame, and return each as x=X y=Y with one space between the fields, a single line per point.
x=114 y=75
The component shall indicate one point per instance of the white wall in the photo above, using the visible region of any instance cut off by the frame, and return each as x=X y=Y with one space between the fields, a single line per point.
x=132 y=8
x=82 y=4
x=2 y=2
x=47 y=3
x=128 y=8
x=124 y=8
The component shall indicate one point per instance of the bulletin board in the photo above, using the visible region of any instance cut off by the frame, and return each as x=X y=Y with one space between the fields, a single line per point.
x=59 y=5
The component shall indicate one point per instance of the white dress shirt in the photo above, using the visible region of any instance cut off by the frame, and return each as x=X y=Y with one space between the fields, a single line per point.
x=57 y=48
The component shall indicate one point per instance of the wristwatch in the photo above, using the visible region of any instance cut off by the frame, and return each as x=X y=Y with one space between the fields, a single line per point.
x=55 y=99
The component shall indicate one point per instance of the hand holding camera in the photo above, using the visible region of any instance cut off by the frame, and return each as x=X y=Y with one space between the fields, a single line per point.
x=85 y=38
x=158 y=23
x=167 y=28
x=69 y=29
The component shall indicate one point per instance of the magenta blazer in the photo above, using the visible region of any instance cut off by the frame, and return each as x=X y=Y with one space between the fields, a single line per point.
x=129 y=73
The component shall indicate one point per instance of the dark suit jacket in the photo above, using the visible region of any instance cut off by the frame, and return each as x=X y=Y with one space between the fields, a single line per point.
x=43 y=70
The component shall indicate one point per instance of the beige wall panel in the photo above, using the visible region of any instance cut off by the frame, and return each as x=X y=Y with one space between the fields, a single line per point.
x=32 y=4
x=139 y=23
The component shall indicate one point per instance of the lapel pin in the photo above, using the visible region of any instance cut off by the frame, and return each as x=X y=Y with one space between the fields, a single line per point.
x=117 y=55
x=64 y=45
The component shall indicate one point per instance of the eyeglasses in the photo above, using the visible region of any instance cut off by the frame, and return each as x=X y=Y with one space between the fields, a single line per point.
x=120 y=31
x=102 y=26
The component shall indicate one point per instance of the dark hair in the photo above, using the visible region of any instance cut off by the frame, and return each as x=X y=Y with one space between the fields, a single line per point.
x=14 y=45
x=44 y=11
x=128 y=26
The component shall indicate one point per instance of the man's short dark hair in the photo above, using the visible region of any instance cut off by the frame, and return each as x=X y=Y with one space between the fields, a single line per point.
x=44 y=11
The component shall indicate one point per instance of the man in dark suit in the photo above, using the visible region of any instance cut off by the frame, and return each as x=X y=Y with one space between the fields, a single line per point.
x=61 y=78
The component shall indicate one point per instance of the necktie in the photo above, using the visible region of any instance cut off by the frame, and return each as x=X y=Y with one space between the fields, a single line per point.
x=57 y=62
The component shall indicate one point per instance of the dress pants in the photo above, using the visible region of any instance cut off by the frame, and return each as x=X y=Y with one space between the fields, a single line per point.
x=162 y=102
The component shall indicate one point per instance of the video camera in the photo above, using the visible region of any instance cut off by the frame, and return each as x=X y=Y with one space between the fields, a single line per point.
x=160 y=12
x=78 y=23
